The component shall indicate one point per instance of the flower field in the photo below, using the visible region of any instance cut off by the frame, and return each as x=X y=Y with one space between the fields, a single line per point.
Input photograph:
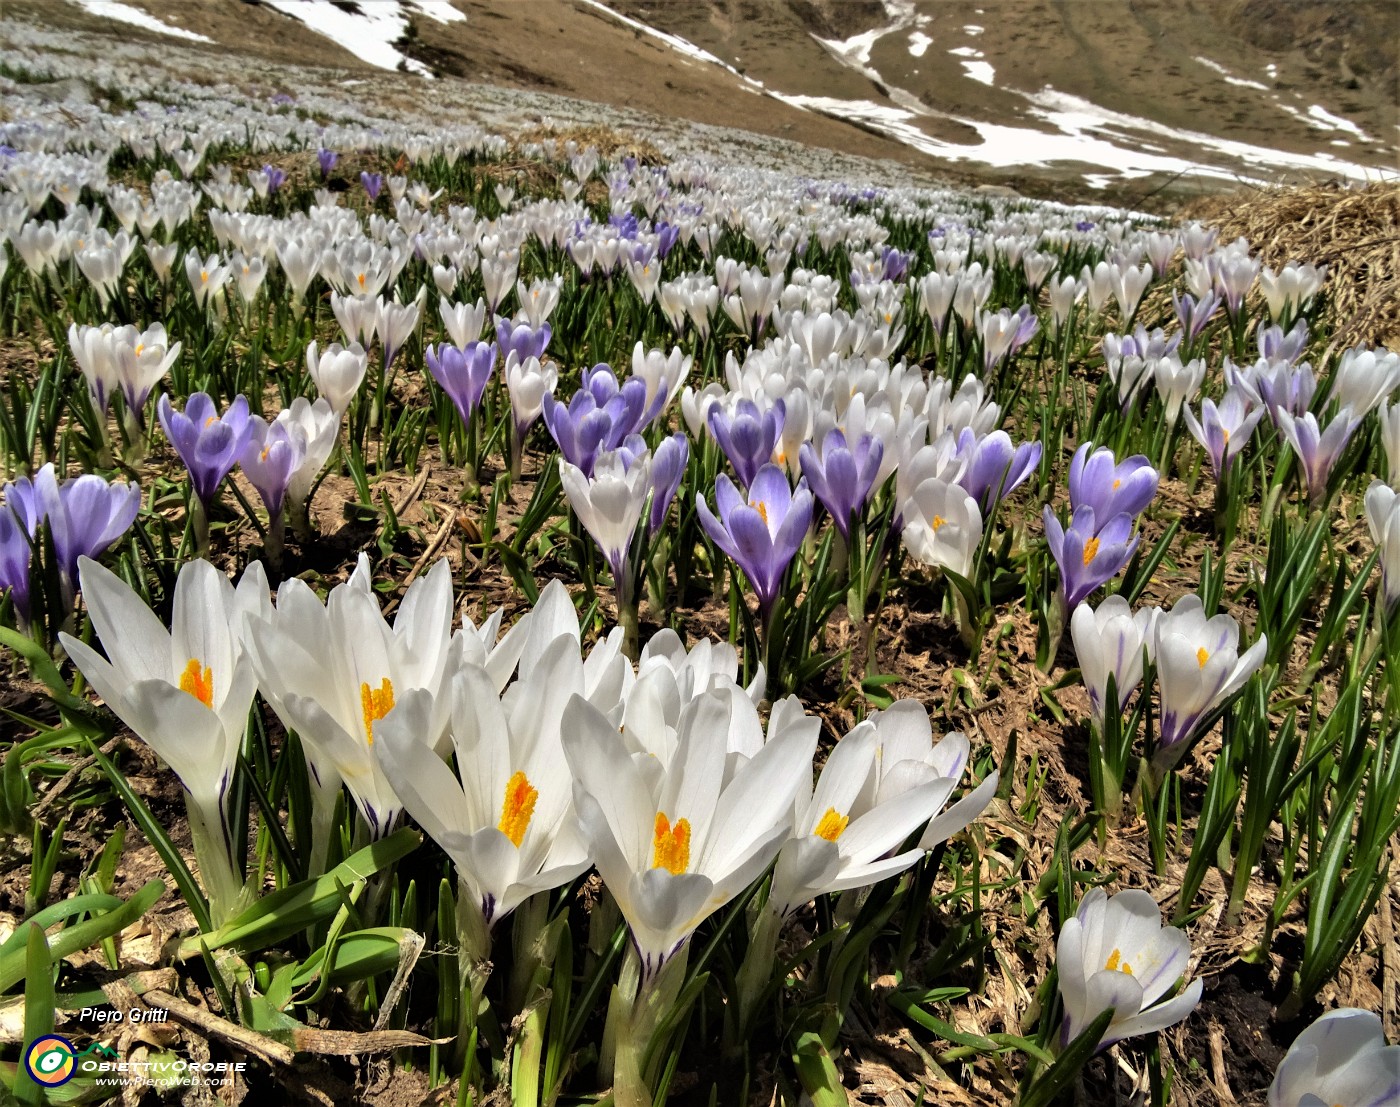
x=550 y=620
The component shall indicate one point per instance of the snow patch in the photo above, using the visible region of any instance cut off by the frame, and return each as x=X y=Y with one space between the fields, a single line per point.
x=675 y=42
x=919 y=43
x=973 y=29
x=1230 y=78
x=981 y=71
x=1336 y=122
x=369 y=33
x=441 y=11
x=125 y=13
x=1082 y=132
x=965 y=52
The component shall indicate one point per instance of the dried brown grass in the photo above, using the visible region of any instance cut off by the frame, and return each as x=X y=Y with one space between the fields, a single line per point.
x=1354 y=231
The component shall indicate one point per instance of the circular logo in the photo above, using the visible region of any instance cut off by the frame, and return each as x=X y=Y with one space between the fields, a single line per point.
x=51 y=1060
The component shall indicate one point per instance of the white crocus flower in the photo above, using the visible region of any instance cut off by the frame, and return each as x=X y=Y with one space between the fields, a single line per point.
x=1383 y=516
x=184 y=691
x=1364 y=379
x=143 y=359
x=1177 y=383
x=333 y=672
x=942 y=526
x=537 y=303
x=706 y=665
x=319 y=424
x=337 y=373
x=909 y=758
x=673 y=840
x=1116 y=954
x=393 y=324
x=838 y=842
x=1109 y=641
x=463 y=321
x=505 y=816
x=1341 y=1060
x=95 y=351
x=1199 y=667
x=1289 y=290
x=610 y=505
x=661 y=371
x=206 y=277
x=356 y=316
x=1390 y=440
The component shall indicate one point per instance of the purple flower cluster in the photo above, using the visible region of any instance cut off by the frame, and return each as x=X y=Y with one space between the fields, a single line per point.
x=1105 y=497
x=84 y=514
x=600 y=415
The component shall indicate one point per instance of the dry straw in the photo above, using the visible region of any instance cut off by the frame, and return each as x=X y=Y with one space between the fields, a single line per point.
x=1354 y=231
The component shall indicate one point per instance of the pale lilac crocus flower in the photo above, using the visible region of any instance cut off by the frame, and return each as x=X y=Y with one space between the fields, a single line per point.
x=1223 y=429
x=841 y=476
x=1098 y=480
x=1317 y=448
x=462 y=373
x=762 y=533
x=1088 y=555
x=85 y=516
x=747 y=436
x=208 y=443
x=994 y=467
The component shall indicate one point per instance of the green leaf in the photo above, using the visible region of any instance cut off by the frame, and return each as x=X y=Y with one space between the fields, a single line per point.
x=159 y=839
x=74 y=938
x=38 y=1002
x=1044 y=1090
x=290 y=910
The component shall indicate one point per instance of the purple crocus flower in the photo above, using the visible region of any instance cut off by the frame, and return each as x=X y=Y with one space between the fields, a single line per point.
x=271 y=457
x=894 y=264
x=842 y=477
x=373 y=182
x=521 y=339
x=276 y=178
x=599 y=416
x=667 y=234
x=1317 y=448
x=1274 y=345
x=208 y=444
x=1195 y=314
x=85 y=516
x=667 y=468
x=463 y=374
x=1110 y=487
x=626 y=224
x=1088 y=555
x=747 y=436
x=326 y=159
x=994 y=466
x=1223 y=429
x=763 y=533
x=15 y=552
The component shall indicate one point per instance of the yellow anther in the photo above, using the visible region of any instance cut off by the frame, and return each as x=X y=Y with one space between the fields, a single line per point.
x=832 y=825
x=375 y=703
x=1091 y=550
x=1116 y=964
x=517 y=807
x=670 y=845
x=1202 y=656
x=198 y=681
